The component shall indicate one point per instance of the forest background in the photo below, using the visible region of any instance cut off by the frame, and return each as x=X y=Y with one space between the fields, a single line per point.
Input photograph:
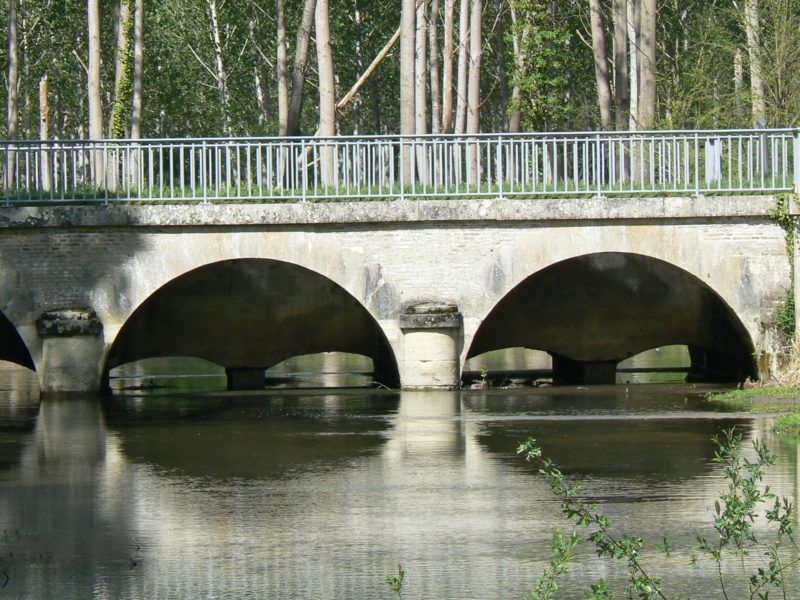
x=77 y=69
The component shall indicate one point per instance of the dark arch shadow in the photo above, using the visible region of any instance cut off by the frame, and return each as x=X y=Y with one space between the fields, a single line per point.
x=595 y=310
x=252 y=314
x=12 y=347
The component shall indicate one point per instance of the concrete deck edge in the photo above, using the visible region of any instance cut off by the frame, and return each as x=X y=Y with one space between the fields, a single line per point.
x=398 y=211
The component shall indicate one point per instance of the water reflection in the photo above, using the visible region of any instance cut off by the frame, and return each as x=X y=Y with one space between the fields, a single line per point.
x=296 y=494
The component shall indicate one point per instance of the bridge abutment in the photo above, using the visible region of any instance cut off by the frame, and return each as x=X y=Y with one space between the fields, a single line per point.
x=72 y=351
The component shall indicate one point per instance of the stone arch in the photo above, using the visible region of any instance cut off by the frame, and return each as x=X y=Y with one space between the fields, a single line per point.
x=252 y=313
x=594 y=310
x=12 y=347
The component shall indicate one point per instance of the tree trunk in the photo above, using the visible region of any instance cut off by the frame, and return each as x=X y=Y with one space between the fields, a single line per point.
x=407 y=80
x=601 y=63
x=299 y=69
x=475 y=55
x=752 y=28
x=436 y=92
x=262 y=98
x=327 y=92
x=421 y=87
x=138 y=88
x=219 y=69
x=474 y=87
x=463 y=66
x=13 y=89
x=95 y=103
x=621 y=91
x=647 y=68
x=634 y=10
x=517 y=41
x=118 y=122
x=282 y=66
x=447 y=67
x=44 y=133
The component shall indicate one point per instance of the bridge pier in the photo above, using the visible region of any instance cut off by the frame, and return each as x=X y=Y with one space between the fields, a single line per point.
x=432 y=341
x=72 y=351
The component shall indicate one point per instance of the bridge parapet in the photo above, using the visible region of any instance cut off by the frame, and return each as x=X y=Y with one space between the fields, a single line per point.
x=400 y=167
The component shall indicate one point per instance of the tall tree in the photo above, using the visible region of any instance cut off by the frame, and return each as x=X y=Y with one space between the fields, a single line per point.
x=120 y=108
x=299 y=68
x=647 y=66
x=408 y=25
x=447 y=66
x=13 y=87
x=475 y=58
x=282 y=64
x=600 y=53
x=94 y=92
x=752 y=28
x=634 y=21
x=221 y=73
x=327 y=90
x=460 y=124
x=621 y=90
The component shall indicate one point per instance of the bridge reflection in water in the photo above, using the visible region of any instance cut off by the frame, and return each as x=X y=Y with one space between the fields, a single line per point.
x=321 y=494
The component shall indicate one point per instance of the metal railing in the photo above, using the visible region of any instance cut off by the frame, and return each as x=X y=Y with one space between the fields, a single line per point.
x=399 y=167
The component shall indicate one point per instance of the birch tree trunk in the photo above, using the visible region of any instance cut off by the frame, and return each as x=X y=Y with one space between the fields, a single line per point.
x=95 y=103
x=299 y=68
x=621 y=90
x=474 y=88
x=219 y=69
x=407 y=80
x=447 y=67
x=421 y=87
x=647 y=67
x=463 y=66
x=327 y=92
x=13 y=90
x=433 y=60
x=282 y=66
x=44 y=133
x=753 y=31
x=634 y=10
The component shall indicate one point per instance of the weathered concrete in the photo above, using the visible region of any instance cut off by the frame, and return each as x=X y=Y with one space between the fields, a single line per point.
x=248 y=285
x=432 y=344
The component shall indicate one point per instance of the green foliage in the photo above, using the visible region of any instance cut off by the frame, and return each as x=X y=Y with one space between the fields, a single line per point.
x=542 y=75
x=562 y=555
x=396 y=583
x=735 y=514
x=786 y=318
x=788 y=426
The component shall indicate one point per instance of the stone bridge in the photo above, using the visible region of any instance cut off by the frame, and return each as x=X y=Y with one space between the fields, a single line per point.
x=418 y=286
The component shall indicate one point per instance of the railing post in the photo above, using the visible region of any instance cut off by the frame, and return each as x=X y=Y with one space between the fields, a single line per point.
x=203 y=175
x=499 y=165
x=796 y=162
x=402 y=171
x=304 y=164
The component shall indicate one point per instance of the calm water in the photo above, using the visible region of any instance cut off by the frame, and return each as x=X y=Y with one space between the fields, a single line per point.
x=165 y=493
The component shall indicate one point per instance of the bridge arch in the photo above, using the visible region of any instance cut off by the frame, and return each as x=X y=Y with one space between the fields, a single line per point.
x=592 y=311
x=248 y=314
x=12 y=347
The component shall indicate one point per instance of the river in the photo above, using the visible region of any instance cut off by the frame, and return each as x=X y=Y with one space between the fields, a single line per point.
x=189 y=491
